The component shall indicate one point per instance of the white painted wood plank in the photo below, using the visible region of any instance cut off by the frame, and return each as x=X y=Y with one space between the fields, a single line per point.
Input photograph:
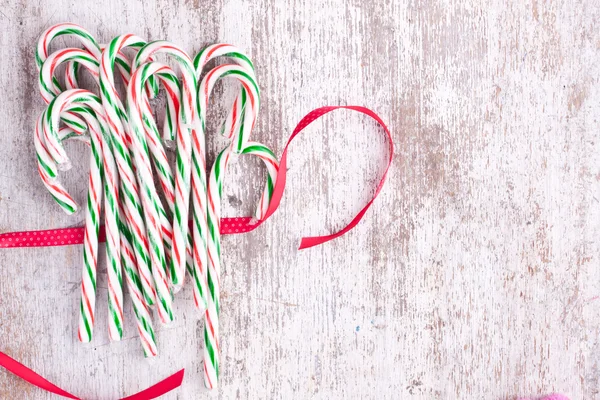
x=475 y=274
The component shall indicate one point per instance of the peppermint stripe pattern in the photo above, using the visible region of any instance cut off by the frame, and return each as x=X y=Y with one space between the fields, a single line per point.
x=153 y=208
x=186 y=124
x=92 y=223
x=119 y=130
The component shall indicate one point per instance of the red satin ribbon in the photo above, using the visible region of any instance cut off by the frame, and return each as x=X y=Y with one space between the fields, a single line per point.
x=280 y=184
x=154 y=391
x=70 y=236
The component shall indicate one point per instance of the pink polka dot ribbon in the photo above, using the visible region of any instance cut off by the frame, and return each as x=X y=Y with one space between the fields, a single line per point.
x=74 y=236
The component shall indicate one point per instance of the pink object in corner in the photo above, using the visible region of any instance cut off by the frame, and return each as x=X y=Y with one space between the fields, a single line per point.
x=553 y=396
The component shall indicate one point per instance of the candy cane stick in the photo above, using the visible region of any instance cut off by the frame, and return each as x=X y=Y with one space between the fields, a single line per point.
x=211 y=332
x=116 y=117
x=51 y=120
x=153 y=208
x=229 y=128
x=187 y=126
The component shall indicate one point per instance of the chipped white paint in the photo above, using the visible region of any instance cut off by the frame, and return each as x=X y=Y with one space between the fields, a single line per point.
x=474 y=276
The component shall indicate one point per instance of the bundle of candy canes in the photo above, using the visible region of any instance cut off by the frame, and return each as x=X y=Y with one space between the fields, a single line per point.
x=149 y=242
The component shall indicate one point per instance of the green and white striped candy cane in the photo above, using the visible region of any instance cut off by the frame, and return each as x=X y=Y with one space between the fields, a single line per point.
x=211 y=331
x=97 y=128
x=187 y=127
x=199 y=181
x=215 y=189
x=153 y=209
x=119 y=127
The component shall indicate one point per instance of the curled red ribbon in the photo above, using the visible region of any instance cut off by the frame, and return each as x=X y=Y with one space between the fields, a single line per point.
x=70 y=236
x=154 y=391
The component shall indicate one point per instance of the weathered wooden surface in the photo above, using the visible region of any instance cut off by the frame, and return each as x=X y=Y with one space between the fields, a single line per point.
x=474 y=276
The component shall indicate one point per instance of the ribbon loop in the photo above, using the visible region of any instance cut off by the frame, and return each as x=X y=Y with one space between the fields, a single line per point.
x=281 y=177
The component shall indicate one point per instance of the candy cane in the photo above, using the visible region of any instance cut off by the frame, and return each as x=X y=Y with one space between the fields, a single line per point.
x=153 y=208
x=211 y=330
x=187 y=127
x=141 y=239
x=234 y=120
x=118 y=124
x=199 y=181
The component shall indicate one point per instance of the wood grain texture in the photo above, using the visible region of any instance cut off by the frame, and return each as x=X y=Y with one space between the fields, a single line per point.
x=474 y=276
